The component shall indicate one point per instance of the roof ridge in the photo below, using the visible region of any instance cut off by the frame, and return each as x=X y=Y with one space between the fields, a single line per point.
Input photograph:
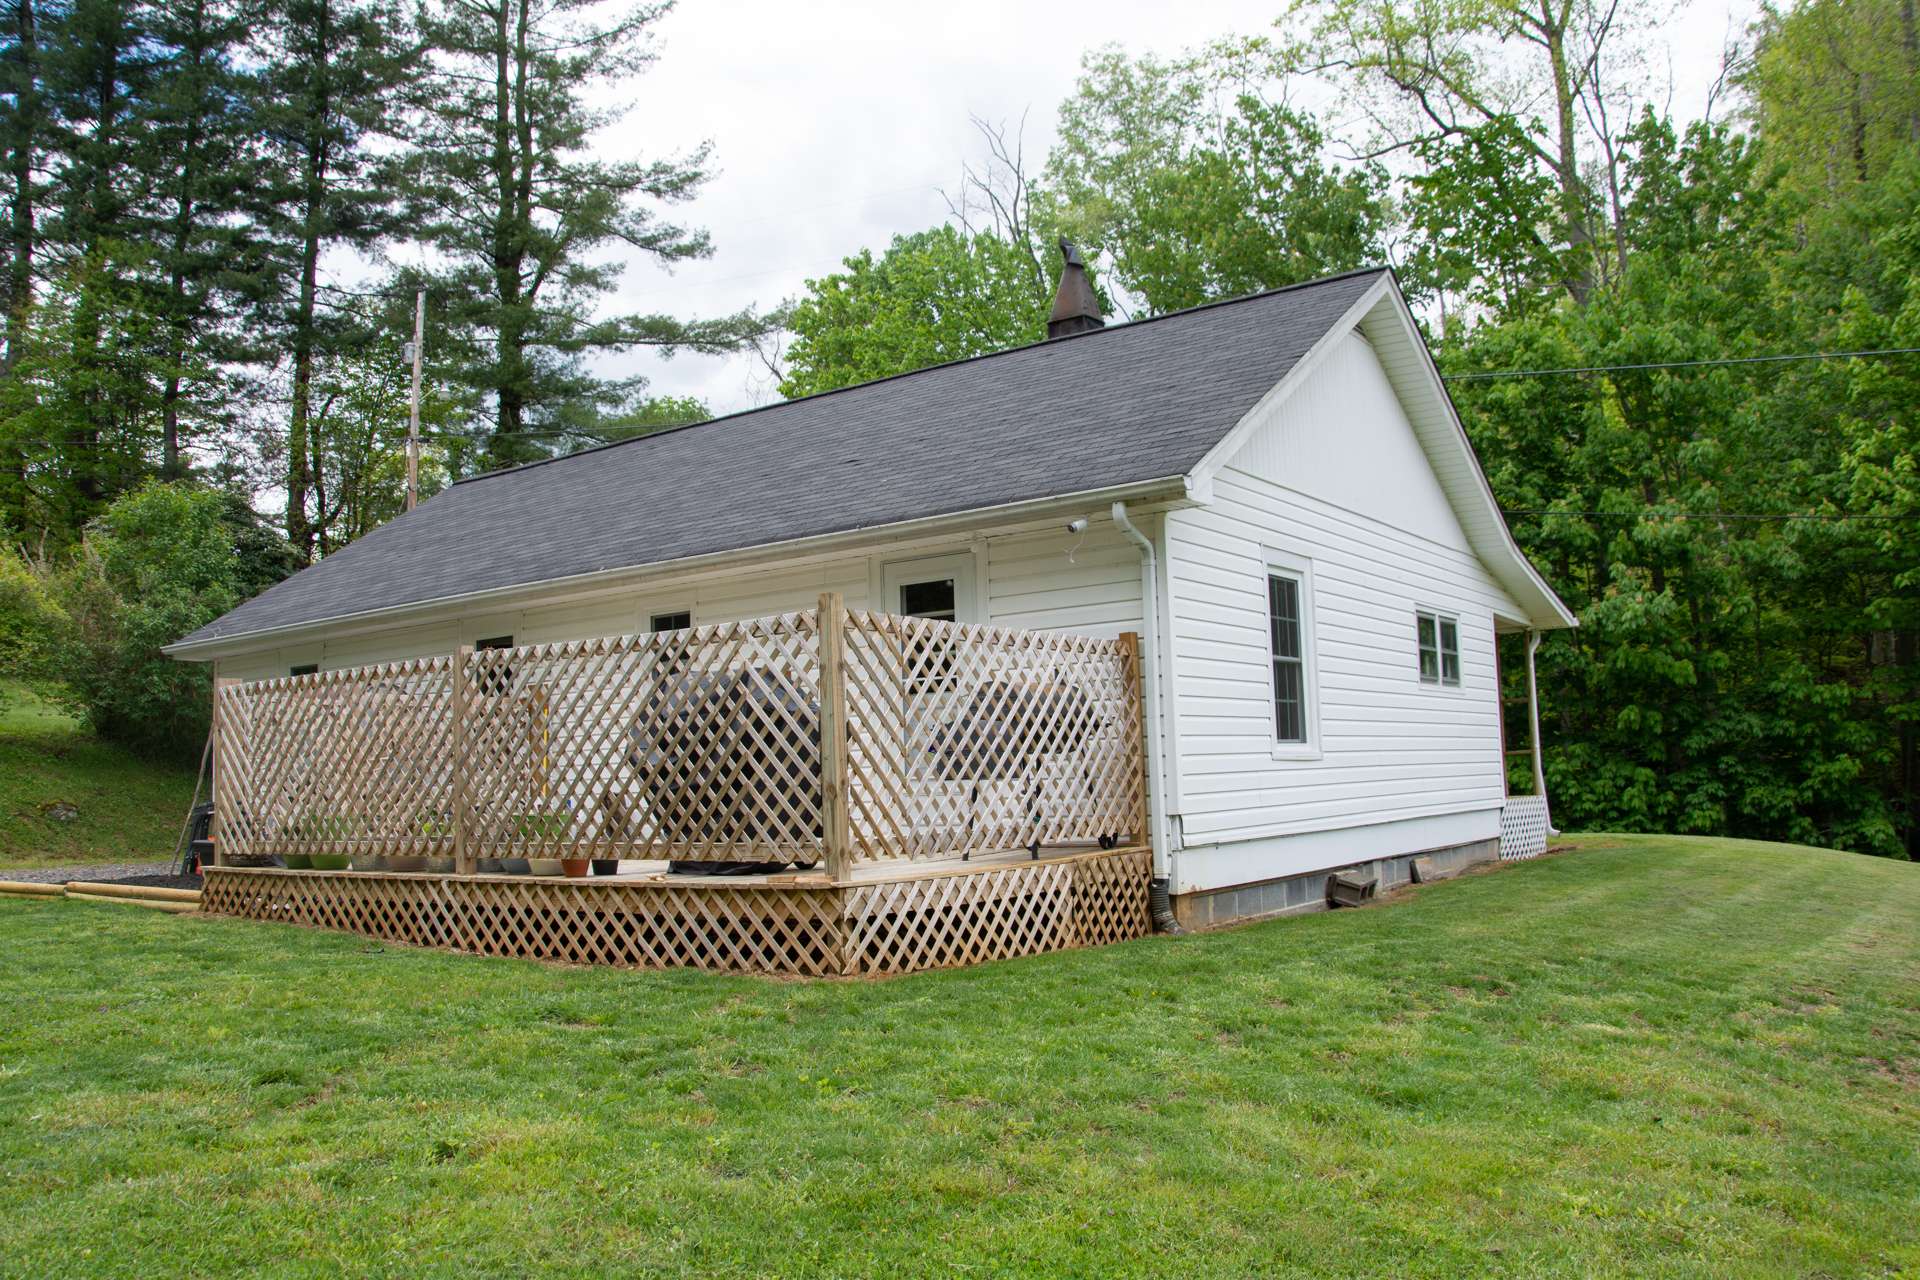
x=945 y=364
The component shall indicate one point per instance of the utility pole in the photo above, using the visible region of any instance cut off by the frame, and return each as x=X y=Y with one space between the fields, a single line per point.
x=413 y=401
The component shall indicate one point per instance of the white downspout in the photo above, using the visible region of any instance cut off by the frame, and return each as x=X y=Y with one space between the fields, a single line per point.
x=1150 y=665
x=1533 y=731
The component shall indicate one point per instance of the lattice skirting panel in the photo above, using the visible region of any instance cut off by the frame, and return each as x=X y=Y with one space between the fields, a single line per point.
x=895 y=926
x=1523 y=828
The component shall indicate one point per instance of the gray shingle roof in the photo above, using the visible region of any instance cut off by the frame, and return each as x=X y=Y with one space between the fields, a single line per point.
x=1133 y=402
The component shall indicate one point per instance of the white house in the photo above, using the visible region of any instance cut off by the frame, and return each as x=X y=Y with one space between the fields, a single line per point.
x=1274 y=492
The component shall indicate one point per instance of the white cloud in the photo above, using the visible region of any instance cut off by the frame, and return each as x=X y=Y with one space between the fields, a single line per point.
x=837 y=124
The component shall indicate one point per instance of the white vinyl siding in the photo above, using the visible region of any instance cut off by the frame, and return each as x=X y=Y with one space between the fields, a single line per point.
x=1035 y=578
x=1387 y=750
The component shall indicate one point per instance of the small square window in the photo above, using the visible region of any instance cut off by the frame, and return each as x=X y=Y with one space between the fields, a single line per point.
x=1439 y=643
x=937 y=599
x=498 y=680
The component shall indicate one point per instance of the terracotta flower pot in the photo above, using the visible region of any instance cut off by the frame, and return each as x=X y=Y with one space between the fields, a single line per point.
x=575 y=867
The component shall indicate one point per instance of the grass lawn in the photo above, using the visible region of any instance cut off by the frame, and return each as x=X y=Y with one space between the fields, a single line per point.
x=130 y=808
x=1652 y=1057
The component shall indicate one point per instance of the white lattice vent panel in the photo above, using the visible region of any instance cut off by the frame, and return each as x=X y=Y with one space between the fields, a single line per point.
x=1523 y=827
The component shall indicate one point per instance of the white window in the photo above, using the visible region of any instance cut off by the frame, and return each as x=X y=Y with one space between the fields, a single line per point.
x=1294 y=705
x=939 y=587
x=1439 y=637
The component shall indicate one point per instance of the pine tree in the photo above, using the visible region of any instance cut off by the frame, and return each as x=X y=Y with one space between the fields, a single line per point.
x=504 y=187
x=333 y=70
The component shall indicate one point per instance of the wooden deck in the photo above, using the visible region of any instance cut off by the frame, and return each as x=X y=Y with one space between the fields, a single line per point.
x=882 y=918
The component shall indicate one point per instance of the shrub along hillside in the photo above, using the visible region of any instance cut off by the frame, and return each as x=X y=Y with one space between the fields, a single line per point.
x=67 y=796
x=1654 y=1057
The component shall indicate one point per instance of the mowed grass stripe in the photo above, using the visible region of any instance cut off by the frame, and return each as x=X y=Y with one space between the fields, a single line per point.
x=1656 y=1056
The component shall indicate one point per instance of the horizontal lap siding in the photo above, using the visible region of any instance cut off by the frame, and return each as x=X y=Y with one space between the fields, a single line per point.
x=1044 y=580
x=1390 y=748
x=1053 y=580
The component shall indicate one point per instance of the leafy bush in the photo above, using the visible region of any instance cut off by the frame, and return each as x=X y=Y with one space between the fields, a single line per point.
x=163 y=560
x=28 y=614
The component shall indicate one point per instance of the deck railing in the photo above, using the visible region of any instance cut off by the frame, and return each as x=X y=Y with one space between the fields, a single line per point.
x=828 y=735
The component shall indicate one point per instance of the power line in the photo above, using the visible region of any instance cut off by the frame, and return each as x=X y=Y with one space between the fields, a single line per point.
x=1682 y=364
x=1719 y=515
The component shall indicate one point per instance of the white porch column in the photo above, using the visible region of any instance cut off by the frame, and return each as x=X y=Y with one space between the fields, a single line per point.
x=1533 y=728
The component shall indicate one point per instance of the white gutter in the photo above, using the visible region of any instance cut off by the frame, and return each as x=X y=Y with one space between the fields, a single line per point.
x=1150 y=665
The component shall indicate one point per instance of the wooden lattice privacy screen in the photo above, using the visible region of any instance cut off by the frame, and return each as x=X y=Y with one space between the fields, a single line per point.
x=816 y=736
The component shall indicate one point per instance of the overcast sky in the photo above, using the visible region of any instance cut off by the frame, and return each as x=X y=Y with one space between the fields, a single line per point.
x=837 y=124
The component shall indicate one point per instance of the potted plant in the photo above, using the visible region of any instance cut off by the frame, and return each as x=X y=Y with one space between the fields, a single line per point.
x=534 y=829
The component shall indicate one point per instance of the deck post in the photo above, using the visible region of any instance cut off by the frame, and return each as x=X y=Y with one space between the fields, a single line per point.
x=835 y=826
x=1137 y=691
x=457 y=730
x=218 y=794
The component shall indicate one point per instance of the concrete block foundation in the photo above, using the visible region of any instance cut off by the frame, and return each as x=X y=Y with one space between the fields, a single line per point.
x=1296 y=895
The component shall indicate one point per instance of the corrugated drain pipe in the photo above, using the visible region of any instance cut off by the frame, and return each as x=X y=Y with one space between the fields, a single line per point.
x=1159 y=896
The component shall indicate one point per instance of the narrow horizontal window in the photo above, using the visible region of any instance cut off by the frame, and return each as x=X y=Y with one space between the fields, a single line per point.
x=671 y=621
x=1289 y=661
x=304 y=669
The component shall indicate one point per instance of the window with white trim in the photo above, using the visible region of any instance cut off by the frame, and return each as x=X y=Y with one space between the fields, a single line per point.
x=1439 y=637
x=1286 y=632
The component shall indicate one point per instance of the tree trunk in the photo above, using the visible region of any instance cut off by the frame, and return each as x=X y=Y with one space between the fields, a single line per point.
x=1573 y=202
x=1910 y=40
x=18 y=281
x=19 y=277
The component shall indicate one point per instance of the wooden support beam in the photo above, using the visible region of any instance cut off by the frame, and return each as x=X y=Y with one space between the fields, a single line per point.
x=1135 y=680
x=221 y=793
x=835 y=822
x=463 y=860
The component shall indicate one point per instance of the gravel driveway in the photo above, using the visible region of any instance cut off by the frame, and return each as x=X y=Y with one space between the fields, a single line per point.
x=145 y=872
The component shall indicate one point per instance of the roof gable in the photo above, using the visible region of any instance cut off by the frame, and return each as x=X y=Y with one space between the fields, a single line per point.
x=1380 y=314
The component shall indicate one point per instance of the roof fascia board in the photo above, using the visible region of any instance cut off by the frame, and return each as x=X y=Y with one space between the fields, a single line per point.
x=1397 y=318
x=1168 y=491
x=1200 y=479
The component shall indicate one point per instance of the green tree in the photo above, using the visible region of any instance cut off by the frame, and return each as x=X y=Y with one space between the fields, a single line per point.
x=159 y=562
x=933 y=296
x=1198 y=181
x=333 y=71
x=1835 y=88
x=504 y=186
